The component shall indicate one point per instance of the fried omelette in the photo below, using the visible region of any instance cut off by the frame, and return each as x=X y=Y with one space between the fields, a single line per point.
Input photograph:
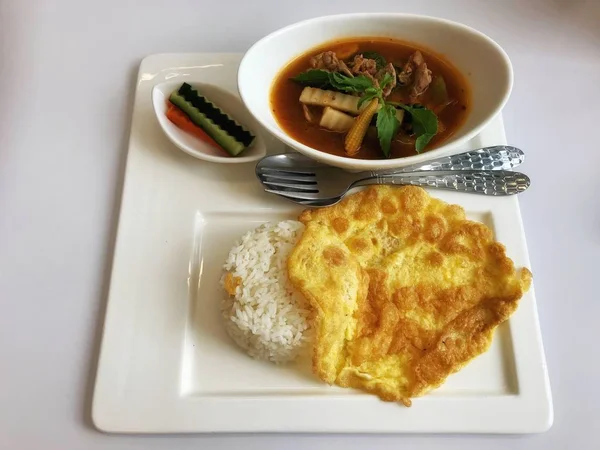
x=405 y=290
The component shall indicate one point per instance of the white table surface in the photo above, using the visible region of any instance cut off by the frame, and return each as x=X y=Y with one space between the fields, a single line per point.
x=67 y=71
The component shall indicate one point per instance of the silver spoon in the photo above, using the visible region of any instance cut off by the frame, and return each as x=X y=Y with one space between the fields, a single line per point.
x=310 y=183
x=497 y=157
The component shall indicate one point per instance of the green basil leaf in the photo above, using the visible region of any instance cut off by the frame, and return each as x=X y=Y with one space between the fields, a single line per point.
x=350 y=84
x=314 y=78
x=323 y=79
x=366 y=98
x=396 y=104
x=380 y=60
x=422 y=142
x=424 y=121
x=425 y=125
x=387 y=79
x=387 y=127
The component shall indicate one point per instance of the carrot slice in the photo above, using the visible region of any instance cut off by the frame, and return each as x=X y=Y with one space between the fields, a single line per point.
x=181 y=120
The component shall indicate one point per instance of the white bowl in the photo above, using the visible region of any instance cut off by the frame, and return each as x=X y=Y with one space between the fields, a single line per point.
x=193 y=146
x=481 y=60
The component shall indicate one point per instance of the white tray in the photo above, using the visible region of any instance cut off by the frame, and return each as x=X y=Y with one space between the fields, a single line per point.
x=166 y=363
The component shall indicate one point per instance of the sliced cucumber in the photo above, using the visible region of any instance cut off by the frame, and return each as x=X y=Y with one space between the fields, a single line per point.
x=223 y=129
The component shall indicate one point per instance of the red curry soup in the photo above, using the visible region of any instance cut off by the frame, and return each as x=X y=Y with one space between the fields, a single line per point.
x=370 y=98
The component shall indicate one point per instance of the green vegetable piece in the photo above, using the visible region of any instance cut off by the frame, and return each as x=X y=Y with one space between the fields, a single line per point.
x=387 y=127
x=313 y=78
x=323 y=79
x=425 y=125
x=400 y=115
x=439 y=92
x=230 y=135
x=367 y=98
x=350 y=84
x=387 y=79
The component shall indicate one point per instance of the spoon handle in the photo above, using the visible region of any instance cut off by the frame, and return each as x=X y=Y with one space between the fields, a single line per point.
x=499 y=157
x=495 y=183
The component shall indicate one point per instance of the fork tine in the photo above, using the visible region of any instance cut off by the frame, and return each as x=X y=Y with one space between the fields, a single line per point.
x=304 y=173
x=295 y=195
x=285 y=177
x=292 y=187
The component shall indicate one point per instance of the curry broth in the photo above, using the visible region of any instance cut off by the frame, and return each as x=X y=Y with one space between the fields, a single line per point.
x=288 y=110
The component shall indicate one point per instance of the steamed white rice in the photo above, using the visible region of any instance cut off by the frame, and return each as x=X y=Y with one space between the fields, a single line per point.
x=266 y=316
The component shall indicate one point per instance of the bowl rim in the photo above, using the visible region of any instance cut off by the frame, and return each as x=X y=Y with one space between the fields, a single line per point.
x=197 y=152
x=341 y=161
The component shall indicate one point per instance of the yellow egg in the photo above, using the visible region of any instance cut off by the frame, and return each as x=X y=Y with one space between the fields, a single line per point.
x=405 y=290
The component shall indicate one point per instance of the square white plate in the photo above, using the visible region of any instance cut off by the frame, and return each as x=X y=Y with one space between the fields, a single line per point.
x=167 y=365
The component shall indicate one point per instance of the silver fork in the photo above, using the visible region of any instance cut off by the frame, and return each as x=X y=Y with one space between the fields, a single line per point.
x=310 y=183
